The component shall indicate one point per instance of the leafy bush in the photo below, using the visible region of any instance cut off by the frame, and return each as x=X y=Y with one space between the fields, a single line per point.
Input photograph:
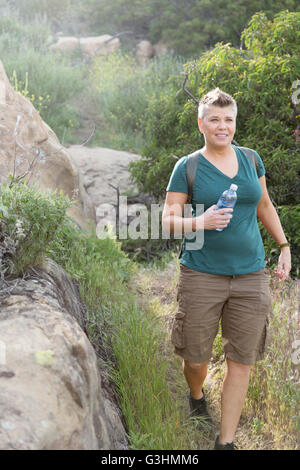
x=29 y=220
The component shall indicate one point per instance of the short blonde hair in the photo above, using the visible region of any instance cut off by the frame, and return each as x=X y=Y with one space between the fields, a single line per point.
x=216 y=97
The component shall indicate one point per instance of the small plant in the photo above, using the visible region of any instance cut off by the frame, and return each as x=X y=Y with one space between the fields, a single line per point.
x=257 y=424
x=40 y=103
x=29 y=220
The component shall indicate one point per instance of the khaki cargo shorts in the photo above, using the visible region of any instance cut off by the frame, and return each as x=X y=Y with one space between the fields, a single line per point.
x=242 y=302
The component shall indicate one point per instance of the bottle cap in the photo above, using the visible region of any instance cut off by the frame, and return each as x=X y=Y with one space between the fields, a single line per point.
x=233 y=187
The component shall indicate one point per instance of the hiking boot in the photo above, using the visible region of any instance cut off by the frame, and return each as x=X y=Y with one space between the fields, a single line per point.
x=199 y=411
x=227 y=446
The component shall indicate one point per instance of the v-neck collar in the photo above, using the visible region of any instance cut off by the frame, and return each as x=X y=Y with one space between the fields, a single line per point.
x=238 y=161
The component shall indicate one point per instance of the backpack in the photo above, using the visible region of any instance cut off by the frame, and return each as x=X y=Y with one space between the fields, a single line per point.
x=191 y=169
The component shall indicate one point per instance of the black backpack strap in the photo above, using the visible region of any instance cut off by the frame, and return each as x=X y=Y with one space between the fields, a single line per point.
x=251 y=155
x=191 y=170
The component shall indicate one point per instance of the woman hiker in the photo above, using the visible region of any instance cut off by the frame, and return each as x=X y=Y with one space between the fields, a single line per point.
x=226 y=278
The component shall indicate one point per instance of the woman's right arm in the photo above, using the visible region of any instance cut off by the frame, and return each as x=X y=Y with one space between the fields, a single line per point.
x=174 y=222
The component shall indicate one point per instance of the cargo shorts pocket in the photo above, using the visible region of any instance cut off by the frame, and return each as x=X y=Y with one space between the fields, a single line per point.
x=264 y=338
x=177 y=335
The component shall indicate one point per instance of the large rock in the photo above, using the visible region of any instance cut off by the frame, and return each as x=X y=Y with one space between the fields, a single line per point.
x=51 y=392
x=99 y=45
x=103 y=170
x=144 y=51
x=65 y=44
x=94 y=45
x=27 y=142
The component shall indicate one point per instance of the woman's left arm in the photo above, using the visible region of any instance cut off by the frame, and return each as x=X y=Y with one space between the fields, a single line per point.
x=266 y=212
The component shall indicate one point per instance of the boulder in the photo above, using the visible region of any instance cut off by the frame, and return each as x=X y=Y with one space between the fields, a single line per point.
x=51 y=388
x=99 y=45
x=95 y=45
x=65 y=44
x=102 y=171
x=28 y=143
x=144 y=51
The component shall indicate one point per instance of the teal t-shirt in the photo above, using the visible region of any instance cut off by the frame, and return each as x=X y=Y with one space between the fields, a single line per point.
x=238 y=249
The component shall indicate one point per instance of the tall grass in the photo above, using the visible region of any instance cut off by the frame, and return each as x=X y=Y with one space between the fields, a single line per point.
x=131 y=336
x=40 y=75
x=125 y=88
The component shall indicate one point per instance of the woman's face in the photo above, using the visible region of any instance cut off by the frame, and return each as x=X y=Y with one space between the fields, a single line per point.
x=218 y=126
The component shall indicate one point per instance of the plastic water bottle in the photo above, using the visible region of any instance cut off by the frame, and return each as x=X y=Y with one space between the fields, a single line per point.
x=227 y=199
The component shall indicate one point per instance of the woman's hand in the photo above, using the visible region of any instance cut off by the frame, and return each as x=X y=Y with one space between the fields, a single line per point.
x=284 y=264
x=214 y=219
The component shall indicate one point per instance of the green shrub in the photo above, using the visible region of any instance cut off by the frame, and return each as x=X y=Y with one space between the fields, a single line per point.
x=29 y=220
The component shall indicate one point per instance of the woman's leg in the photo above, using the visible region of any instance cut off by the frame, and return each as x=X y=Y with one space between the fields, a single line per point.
x=195 y=374
x=234 y=391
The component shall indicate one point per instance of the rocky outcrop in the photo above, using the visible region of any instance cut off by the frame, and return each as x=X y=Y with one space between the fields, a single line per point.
x=105 y=45
x=51 y=392
x=102 y=171
x=28 y=143
x=94 y=45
